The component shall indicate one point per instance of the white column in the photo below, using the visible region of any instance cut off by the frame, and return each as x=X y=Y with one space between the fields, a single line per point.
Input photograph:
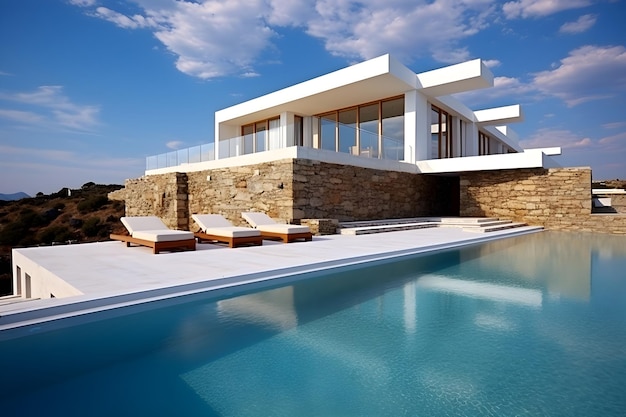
x=471 y=140
x=287 y=128
x=416 y=127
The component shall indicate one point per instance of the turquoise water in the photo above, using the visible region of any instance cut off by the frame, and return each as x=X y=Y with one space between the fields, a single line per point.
x=533 y=325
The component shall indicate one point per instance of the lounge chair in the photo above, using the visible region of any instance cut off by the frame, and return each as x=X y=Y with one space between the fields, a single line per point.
x=150 y=231
x=214 y=227
x=271 y=230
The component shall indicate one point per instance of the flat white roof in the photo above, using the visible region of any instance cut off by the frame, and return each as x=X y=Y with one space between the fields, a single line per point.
x=111 y=275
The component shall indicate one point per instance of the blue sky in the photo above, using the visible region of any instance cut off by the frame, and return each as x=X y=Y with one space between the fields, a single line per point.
x=89 y=88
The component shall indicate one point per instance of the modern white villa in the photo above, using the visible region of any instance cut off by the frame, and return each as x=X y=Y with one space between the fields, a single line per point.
x=368 y=142
x=377 y=109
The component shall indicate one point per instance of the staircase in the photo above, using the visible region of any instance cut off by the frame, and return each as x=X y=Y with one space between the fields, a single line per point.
x=469 y=224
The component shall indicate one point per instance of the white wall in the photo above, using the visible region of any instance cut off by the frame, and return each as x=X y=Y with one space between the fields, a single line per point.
x=416 y=127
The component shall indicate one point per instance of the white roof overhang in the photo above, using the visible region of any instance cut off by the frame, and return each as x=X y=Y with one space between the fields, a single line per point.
x=361 y=83
x=499 y=115
x=466 y=76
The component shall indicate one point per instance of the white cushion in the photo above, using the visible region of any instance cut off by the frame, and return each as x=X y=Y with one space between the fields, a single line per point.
x=162 y=235
x=232 y=231
x=210 y=220
x=257 y=219
x=137 y=223
x=283 y=228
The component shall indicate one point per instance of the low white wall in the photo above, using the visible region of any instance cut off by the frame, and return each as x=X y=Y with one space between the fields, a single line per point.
x=36 y=281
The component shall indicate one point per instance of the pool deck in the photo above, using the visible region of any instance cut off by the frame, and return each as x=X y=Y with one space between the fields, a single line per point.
x=110 y=275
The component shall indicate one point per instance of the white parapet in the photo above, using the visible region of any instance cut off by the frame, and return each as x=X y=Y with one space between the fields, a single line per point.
x=534 y=158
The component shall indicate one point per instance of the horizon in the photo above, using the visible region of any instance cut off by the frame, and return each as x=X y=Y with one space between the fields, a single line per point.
x=90 y=88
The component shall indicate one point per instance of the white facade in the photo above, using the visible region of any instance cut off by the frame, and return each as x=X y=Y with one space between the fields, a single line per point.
x=377 y=109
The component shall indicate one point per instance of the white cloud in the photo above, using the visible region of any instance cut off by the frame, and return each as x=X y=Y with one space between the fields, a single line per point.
x=581 y=25
x=123 y=21
x=51 y=108
x=588 y=73
x=502 y=87
x=619 y=138
x=213 y=38
x=20 y=116
x=351 y=30
x=544 y=138
x=492 y=63
x=83 y=3
x=614 y=125
x=49 y=170
x=539 y=8
x=174 y=144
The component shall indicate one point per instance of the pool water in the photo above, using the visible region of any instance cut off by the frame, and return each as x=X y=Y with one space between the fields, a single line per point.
x=532 y=325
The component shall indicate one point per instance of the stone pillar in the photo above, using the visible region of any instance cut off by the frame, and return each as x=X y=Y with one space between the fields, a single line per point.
x=181 y=202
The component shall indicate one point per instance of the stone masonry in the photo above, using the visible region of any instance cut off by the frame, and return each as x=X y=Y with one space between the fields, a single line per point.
x=293 y=190
x=558 y=199
x=288 y=190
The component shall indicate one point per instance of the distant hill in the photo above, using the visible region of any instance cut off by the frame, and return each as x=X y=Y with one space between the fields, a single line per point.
x=14 y=196
x=82 y=215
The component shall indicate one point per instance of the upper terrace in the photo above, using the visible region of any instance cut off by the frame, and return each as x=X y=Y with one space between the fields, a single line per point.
x=379 y=110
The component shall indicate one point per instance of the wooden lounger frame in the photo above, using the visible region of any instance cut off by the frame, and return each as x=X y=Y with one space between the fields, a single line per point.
x=231 y=241
x=189 y=244
x=287 y=237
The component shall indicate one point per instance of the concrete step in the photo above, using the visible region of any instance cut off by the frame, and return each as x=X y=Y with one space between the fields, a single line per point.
x=495 y=227
x=470 y=224
x=369 y=223
x=364 y=230
x=466 y=220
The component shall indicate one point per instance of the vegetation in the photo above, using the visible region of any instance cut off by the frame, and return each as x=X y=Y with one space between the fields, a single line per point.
x=64 y=217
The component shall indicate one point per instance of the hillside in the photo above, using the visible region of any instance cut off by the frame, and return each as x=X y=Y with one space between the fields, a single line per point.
x=68 y=216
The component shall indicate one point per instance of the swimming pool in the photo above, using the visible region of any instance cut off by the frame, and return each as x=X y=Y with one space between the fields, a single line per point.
x=529 y=325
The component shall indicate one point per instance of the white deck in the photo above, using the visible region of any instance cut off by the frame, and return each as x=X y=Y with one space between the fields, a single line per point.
x=110 y=275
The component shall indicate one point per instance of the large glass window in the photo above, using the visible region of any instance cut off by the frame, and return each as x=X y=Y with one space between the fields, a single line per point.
x=261 y=136
x=274 y=138
x=347 y=131
x=328 y=131
x=368 y=129
x=483 y=144
x=393 y=129
x=441 y=133
x=363 y=130
x=298 y=131
x=248 y=138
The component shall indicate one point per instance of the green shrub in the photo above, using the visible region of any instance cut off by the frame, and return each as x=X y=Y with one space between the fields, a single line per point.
x=92 y=226
x=12 y=233
x=92 y=203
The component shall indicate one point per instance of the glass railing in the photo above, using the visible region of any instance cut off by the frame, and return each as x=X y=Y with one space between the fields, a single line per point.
x=392 y=149
x=200 y=153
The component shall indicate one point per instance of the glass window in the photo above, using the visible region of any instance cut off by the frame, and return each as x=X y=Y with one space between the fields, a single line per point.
x=483 y=144
x=275 y=140
x=248 y=138
x=393 y=129
x=441 y=133
x=347 y=131
x=328 y=124
x=261 y=136
x=298 y=129
x=368 y=130
x=434 y=133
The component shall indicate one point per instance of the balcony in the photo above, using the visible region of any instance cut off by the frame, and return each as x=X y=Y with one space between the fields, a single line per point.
x=343 y=142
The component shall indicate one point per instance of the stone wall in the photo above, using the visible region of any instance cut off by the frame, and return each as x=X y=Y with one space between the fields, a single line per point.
x=558 y=198
x=289 y=190
x=164 y=196
x=293 y=190
x=347 y=193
